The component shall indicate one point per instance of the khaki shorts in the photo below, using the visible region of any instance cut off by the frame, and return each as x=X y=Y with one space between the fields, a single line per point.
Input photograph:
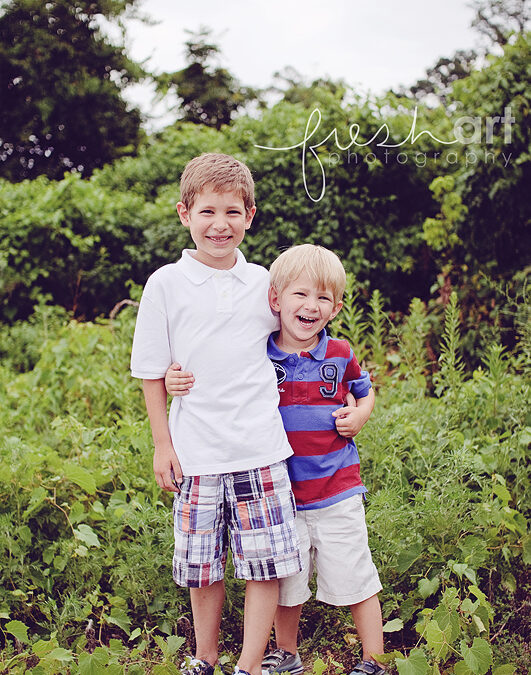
x=334 y=543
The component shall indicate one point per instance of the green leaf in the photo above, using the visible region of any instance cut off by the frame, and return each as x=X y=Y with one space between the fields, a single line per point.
x=18 y=629
x=93 y=664
x=117 y=669
x=174 y=642
x=478 y=657
x=319 y=666
x=428 y=587
x=80 y=476
x=393 y=625
x=60 y=654
x=526 y=544
x=408 y=556
x=77 y=512
x=478 y=594
x=388 y=657
x=38 y=495
x=461 y=668
x=478 y=623
x=119 y=618
x=437 y=639
x=165 y=669
x=506 y=669
x=43 y=647
x=87 y=535
x=135 y=634
x=509 y=582
x=414 y=664
x=503 y=493
x=459 y=568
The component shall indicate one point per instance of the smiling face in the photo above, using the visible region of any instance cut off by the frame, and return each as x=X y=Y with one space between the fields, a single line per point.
x=304 y=309
x=217 y=222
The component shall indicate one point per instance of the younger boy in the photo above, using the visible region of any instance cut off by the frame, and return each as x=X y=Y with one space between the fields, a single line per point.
x=314 y=375
x=222 y=451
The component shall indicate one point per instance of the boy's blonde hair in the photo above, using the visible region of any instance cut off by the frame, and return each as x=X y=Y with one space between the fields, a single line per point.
x=222 y=173
x=321 y=264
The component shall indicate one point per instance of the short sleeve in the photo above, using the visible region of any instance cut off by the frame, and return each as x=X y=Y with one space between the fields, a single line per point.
x=358 y=380
x=151 y=354
x=360 y=388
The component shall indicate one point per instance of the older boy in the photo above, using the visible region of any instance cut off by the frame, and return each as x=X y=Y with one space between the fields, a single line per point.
x=222 y=451
x=314 y=375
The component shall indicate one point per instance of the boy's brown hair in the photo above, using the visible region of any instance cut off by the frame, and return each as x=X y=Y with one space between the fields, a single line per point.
x=222 y=173
x=321 y=264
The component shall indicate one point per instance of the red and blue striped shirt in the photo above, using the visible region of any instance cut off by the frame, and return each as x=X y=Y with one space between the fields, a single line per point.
x=325 y=467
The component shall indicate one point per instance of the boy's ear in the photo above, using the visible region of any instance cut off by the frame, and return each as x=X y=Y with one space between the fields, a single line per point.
x=273 y=299
x=249 y=215
x=336 y=310
x=183 y=214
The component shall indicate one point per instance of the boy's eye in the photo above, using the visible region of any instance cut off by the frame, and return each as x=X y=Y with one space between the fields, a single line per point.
x=324 y=297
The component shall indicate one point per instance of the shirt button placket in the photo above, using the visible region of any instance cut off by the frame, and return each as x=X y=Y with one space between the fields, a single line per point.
x=223 y=284
x=298 y=377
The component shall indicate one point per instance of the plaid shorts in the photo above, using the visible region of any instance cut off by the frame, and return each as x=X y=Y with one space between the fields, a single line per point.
x=254 y=510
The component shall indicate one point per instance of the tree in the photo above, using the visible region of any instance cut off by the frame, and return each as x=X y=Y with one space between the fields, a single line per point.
x=497 y=20
x=61 y=81
x=296 y=89
x=207 y=95
x=495 y=189
x=440 y=79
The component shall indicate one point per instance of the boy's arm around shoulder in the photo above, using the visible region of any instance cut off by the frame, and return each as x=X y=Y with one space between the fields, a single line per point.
x=166 y=466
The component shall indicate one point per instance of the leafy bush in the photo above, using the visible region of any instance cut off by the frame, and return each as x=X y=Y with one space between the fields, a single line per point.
x=86 y=534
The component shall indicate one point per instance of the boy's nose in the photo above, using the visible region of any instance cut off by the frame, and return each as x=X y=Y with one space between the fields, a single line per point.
x=220 y=226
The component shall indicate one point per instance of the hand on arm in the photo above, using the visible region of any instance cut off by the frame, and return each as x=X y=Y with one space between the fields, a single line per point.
x=178 y=383
x=166 y=466
x=351 y=418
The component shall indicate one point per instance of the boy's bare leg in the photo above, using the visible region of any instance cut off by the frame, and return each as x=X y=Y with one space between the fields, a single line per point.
x=261 y=598
x=367 y=616
x=207 y=604
x=287 y=627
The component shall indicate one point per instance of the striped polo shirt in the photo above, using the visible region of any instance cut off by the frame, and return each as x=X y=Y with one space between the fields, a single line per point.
x=325 y=467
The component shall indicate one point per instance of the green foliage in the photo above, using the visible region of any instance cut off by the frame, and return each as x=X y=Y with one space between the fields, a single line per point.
x=69 y=240
x=441 y=232
x=85 y=533
x=81 y=241
x=61 y=82
x=495 y=192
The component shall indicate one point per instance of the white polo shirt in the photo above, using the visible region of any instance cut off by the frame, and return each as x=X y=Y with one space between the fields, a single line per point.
x=215 y=323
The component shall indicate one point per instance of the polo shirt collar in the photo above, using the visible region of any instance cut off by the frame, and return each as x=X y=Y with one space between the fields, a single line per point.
x=318 y=352
x=198 y=272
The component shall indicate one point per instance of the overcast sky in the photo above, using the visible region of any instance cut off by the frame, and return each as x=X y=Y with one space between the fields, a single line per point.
x=373 y=45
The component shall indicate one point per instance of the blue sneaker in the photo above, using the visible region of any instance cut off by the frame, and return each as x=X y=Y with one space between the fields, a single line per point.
x=282 y=661
x=368 y=668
